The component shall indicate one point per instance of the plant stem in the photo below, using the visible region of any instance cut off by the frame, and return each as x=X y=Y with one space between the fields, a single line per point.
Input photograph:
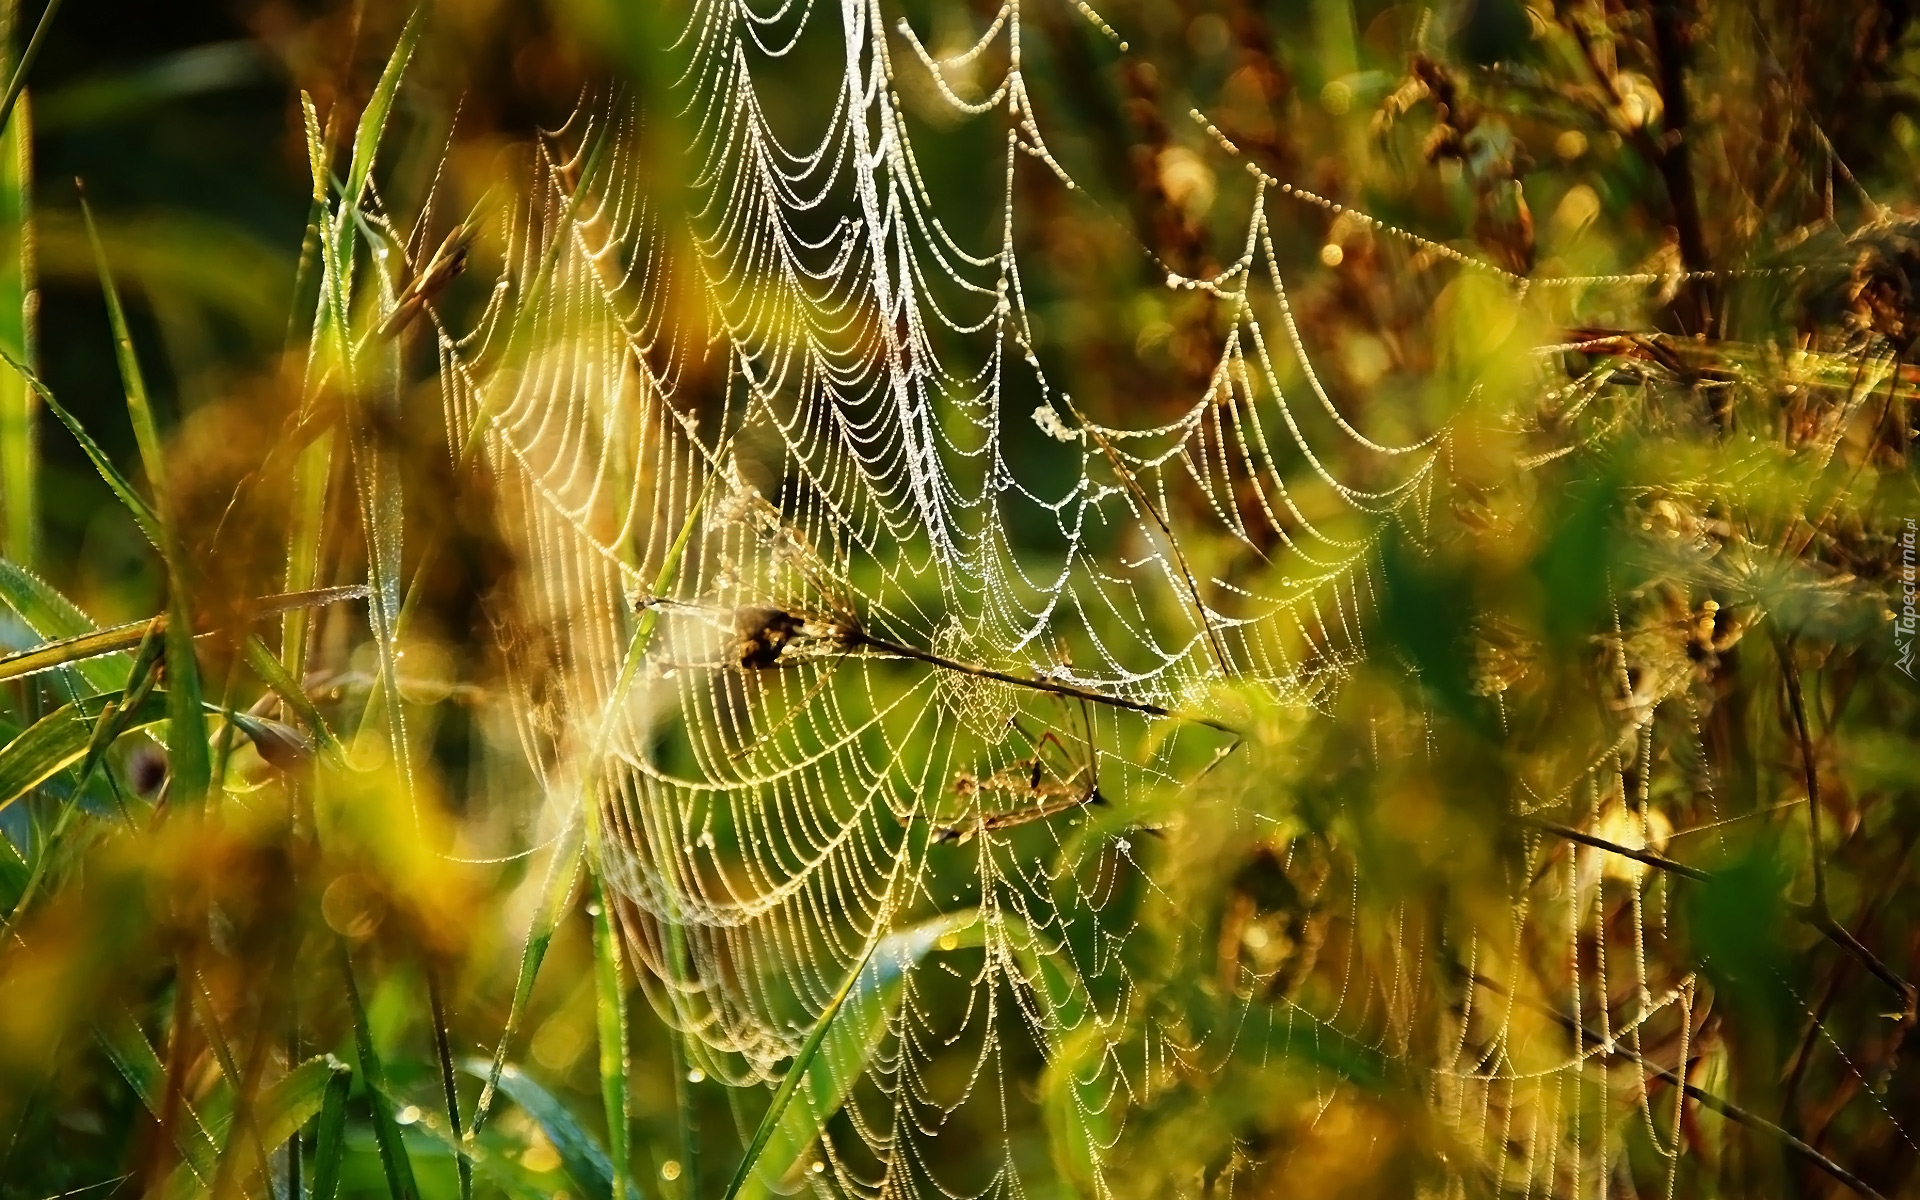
x=1646 y=856
x=859 y=637
x=18 y=83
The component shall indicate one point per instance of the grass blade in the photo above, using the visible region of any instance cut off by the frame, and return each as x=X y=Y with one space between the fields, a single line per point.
x=796 y=1074
x=19 y=450
x=61 y=738
x=275 y=676
x=85 y=647
x=582 y=1157
x=373 y=125
x=330 y=1136
x=18 y=82
x=306 y=276
x=386 y=1131
x=55 y=618
x=563 y=872
x=311 y=474
x=305 y=1091
x=610 y=1012
x=843 y=1043
x=143 y=514
x=443 y=1047
x=127 y=1048
x=188 y=761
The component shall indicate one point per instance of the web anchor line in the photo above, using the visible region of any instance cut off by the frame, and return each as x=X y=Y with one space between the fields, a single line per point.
x=765 y=633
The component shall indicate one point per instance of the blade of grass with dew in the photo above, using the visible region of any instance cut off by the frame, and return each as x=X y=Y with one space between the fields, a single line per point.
x=133 y=1057
x=188 y=762
x=581 y=1155
x=17 y=82
x=372 y=127
x=796 y=1074
x=299 y=1096
x=19 y=450
x=307 y=280
x=143 y=514
x=847 y=1040
x=386 y=1131
x=378 y=478
x=56 y=618
x=610 y=1019
x=610 y=998
x=312 y=472
x=443 y=1050
x=61 y=738
x=89 y=646
x=116 y=717
x=563 y=875
x=242 y=1122
x=330 y=1136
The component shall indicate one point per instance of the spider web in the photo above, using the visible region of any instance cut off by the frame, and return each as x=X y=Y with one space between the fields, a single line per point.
x=827 y=661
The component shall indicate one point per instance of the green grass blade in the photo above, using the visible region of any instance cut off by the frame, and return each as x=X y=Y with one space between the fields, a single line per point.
x=189 y=763
x=373 y=124
x=19 y=450
x=610 y=1013
x=796 y=1075
x=376 y=476
x=563 y=872
x=133 y=1057
x=18 y=81
x=581 y=1155
x=60 y=739
x=330 y=1136
x=311 y=473
x=89 y=646
x=386 y=1131
x=289 y=1104
x=143 y=513
x=443 y=1049
x=86 y=650
x=56 y=618
x=842 y=1044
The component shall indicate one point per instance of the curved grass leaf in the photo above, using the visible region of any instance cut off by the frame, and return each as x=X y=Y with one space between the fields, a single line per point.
x=189 y=763
x=60 y=739
x=386 y=1131
x=133 y=1056
x=54 y=617
x=86 y=646
x=143 y=514
x=18 y=82
x=330 y=1136
x=610 y=1012
x=563 y=872
x=836 y=1052
x=373 y=125
x=19 y=450
x=288 y=1105
x=581 y=1155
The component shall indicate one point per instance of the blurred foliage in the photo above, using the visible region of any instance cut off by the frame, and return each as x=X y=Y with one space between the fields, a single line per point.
x=1682 y=560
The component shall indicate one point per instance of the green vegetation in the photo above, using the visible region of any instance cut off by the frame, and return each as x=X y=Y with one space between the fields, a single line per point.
x=907 y=598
